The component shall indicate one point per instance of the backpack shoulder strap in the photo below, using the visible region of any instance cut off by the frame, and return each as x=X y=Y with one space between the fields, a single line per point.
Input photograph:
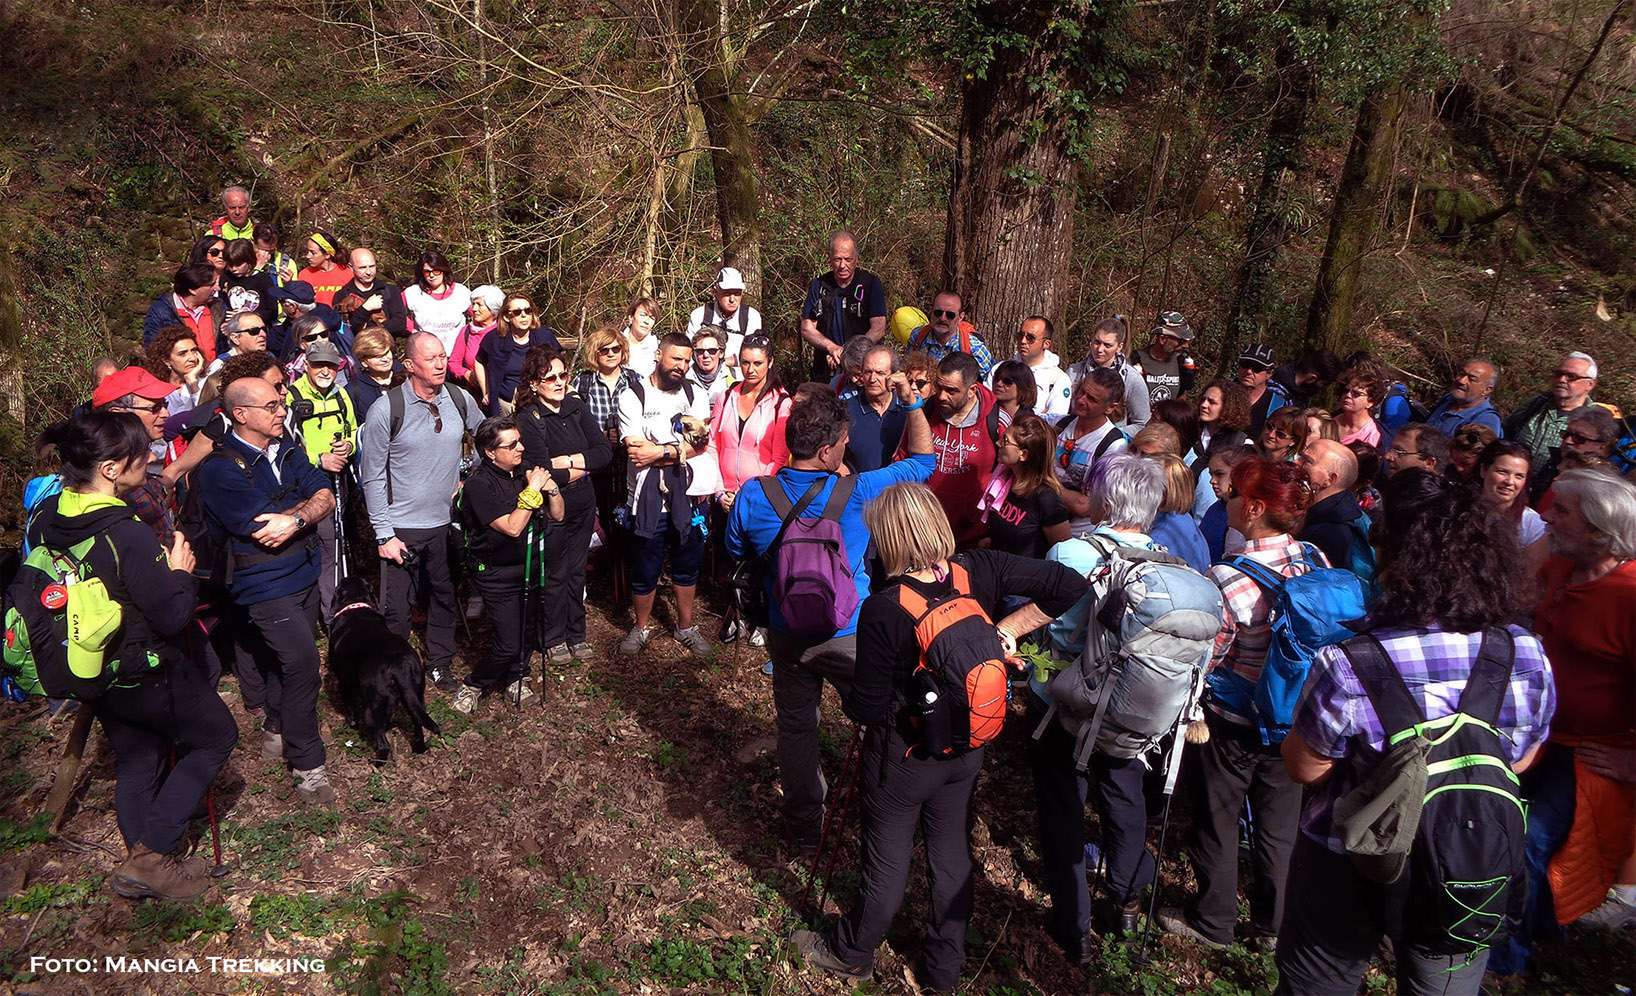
x=993 y=423
x=784 y=509
x=743 y=318
x=1106 y=442
x=687 y=389
x=638 y=390
x=1271 y=581
x=1394 y=704
x=1062 y=423
x=458 y=396
x=839 y=496
x=1490 y=676
x=395 y=405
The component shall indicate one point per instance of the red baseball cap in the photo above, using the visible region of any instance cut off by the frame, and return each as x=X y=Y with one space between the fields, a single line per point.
x=131 y=380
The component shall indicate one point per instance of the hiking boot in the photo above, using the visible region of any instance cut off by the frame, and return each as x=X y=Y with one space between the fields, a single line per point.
x=147 y=874
x=815 y=953
x=560 y=655
x=1614 y=912
x=1174 y=921
x=1113 y=920
x=272 y=745
x=696 y=642
x=519 y=694
x=582 y=651
x=442 y=678
x=635 y=640
x=465 y=700
x=313 y=786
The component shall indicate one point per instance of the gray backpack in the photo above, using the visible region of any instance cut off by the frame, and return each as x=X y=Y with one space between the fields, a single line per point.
x=1150 y=629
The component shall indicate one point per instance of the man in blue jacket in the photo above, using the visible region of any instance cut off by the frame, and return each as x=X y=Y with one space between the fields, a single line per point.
x=261 y=498
x=1467 y=400
x=817 y=435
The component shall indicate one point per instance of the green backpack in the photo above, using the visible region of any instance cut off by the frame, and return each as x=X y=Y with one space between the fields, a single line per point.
x=35 y=659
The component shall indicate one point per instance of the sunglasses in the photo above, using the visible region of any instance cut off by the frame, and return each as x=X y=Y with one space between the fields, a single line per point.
x=1029 y=337
x=709 y=350
x=1568 y=375
x=515 y=444
x=1007 y=381
x=214 y=253
x=427 y=273
x=520 y=311
x=939 y=313
x=437 y=417
x=610 y=350
x=1574 y=437
x=555 y=378
x=1066 y=457
x=757 y=341
x=314 y=337
x=919 y=385
x=1257 y=367
x=145 y=409
x=1279 y=433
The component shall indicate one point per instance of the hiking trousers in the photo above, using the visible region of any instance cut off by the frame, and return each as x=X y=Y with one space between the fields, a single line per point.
x=501 y=589
x=172 y=708
x=1235 y=764
x=898 y=793
x=428 y=577
x=1333 y=922
x=1061 y=790
x=800 y=667
x=567 y=551
x=283 y=641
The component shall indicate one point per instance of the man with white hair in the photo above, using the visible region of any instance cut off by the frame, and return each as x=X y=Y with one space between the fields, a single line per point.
x=727 y=309
x=1334 y=520
x=1467 y=400
x=236 y=223
x=1539 y=423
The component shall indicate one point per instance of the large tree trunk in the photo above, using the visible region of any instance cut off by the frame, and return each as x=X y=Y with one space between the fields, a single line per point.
x=1352 y=220
x=1011 y=210
x=1285 y=143
x=719 y=87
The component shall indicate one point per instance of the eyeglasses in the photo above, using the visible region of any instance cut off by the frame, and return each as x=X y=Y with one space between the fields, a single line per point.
x=1574 y=437
x=271 y=407
x=520 y=311
x=1400 y=452
x=1356 y=392
x=610 y=350
x=708 y=350
x=939 y=313
x=437 y=416
x=1569 y=375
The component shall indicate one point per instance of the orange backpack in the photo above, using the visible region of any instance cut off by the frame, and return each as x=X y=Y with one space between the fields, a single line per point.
x=958 y=693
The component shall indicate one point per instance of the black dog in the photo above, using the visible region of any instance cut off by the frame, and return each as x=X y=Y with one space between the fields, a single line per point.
x=376 y=670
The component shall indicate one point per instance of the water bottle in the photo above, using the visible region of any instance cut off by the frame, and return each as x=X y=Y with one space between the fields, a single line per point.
x=932 y=717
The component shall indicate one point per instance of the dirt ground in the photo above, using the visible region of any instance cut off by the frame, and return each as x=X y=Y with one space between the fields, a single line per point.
x=621 y=836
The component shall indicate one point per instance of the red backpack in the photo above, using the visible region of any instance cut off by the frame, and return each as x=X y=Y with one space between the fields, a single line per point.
x=958 y=694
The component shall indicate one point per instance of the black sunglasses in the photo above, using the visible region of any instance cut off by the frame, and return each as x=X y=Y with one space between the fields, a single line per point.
x=940 y=313
x=437 y=417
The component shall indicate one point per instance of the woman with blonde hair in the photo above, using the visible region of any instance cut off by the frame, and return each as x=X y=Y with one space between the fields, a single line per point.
x=1173 y=528
x=1023 y=505
x=1321 y=425
x=604 y=378
x=910 y=780
x=1156 y=438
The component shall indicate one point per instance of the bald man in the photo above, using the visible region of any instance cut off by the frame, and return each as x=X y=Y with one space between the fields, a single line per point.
x=1334 y=521
x=365 y=299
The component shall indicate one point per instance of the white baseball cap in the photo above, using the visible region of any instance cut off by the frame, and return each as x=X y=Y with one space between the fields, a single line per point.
x=729 y=279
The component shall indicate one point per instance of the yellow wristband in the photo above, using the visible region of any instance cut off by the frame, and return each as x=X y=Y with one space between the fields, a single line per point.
x=530 y=499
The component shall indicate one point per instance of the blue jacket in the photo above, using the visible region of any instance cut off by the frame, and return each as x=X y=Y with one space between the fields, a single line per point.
x=162 y=314
x=753 y=523
x=233 y=498
x=1448 y=420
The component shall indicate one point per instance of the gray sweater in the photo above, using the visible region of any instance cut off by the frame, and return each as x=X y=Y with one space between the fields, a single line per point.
x=425 y=464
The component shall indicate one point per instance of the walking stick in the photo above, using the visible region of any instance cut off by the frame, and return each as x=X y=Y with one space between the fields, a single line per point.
x=835 y=821
x=527 y=622
x=1172 y=767
x=68 y=768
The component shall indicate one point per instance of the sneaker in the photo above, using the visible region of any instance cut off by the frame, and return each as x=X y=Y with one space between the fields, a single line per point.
x=731 y=630
x=313 y=786
x=560 y=655
x=582 y=651
x=767 y=669
x=634 y=641
x=474 y=607
x=272 y=745
x=520 y=694
x=441 y=678
x=1174 y=921
x=758 y=637
x=147 y=874
x=696 y=642
x=1614 y=912
x=465 y=700
x=814 y=951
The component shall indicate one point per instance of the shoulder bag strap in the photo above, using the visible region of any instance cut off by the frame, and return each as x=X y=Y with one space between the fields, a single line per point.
x=1490 y=676
x=1393 y=702
x=781 y=504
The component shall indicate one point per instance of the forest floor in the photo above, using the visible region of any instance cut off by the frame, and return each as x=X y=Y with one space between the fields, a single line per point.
x=622 y=836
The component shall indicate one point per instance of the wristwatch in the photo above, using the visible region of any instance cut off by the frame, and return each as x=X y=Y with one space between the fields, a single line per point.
x=300 y=521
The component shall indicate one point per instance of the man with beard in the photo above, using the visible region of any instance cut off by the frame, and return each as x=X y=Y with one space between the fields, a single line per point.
x=322 y=414
x=660 y=513
x=949 y=332
x=966 y=428
x=1467 y=400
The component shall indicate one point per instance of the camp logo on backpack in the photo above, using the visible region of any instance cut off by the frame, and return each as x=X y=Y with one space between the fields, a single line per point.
x=1309 y=612
x=60 y=621
x=960 y=680
x=1149 y=630
x=1442 y=802
x=812 y=577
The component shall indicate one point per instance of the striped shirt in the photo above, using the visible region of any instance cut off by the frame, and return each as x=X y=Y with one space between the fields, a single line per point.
x=1246 y=625
x=602 y=400
x=1336 y=719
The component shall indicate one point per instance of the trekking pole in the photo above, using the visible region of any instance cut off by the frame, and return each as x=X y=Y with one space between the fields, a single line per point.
x=1172 y=768
x=849 y=790
x=848 y=777
x=338 y=520
x=221 y=870
x=526 y=623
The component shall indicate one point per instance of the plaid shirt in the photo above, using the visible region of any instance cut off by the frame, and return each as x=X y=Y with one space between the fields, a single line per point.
x=929 y=345
x=1246 y=625
x=1336 y=719
x=602 y=400
x=154 y=503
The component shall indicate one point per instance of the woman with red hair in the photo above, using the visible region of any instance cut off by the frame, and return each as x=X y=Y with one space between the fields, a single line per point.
x=1266 y=502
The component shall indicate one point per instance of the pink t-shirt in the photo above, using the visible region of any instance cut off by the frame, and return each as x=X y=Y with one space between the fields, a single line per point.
x=463 y=357
x=1369 y=434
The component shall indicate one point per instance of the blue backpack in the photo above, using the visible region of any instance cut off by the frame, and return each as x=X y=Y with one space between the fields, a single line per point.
x=1360 y=558
x=1308 y=613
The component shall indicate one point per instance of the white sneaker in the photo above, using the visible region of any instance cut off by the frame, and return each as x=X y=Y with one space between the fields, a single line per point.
x=519 y=694
x=313 y=786
x=474 y=607
x=465 y=700
x=1614 y=912
x=758 y=637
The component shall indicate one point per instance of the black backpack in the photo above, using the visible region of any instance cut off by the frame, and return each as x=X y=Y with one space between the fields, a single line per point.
x=397 y=403
x=1467 y=881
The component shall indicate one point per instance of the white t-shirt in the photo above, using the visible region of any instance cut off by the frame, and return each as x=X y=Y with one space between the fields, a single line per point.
x=644 y=354
x=1076 y=458
x=652 y=417
x=443 y=317
x=1530 y=529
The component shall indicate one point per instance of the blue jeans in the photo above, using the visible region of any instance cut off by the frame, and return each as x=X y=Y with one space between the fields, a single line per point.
x=1548 y=789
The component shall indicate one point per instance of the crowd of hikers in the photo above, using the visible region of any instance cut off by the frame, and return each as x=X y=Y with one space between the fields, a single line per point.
x=1360 y=640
